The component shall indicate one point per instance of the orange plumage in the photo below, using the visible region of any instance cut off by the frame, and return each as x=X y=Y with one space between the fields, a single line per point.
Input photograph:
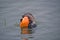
x=24 y=23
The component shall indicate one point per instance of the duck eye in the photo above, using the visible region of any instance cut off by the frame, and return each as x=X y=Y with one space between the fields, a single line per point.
x=20 y=19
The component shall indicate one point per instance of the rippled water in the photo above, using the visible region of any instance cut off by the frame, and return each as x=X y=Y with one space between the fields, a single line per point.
x=46 y=12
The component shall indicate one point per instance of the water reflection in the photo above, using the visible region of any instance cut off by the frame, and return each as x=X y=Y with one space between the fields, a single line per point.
x=26 y=34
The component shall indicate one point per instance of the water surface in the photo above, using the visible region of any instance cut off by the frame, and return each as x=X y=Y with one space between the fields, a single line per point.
x=46 y=12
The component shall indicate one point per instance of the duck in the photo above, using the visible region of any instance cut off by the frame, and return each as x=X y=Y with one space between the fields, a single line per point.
x=27 y=22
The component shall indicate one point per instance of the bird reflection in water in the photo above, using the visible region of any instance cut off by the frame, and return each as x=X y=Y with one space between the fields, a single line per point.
x=26 y=34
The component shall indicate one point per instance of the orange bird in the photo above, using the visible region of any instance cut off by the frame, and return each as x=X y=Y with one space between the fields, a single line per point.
x=27 y=22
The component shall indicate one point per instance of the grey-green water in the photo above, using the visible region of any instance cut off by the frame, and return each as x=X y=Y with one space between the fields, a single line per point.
x=46 y=12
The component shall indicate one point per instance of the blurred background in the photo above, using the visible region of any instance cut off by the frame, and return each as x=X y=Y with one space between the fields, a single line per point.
x=46 y=12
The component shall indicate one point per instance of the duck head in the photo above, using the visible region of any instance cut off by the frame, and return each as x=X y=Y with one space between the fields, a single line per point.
x=25 y=22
